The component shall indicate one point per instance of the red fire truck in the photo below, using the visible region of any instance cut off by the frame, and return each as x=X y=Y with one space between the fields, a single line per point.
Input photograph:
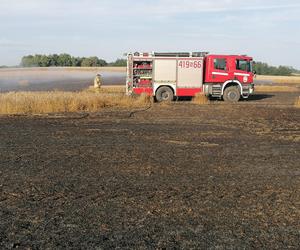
x=169 y=75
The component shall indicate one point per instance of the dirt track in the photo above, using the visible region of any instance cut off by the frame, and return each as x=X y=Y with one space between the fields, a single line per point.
x=178 y=176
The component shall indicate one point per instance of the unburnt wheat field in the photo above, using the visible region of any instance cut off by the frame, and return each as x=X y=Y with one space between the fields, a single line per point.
x=57 y=101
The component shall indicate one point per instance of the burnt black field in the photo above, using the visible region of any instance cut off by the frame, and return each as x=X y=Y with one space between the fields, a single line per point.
x=176 y=176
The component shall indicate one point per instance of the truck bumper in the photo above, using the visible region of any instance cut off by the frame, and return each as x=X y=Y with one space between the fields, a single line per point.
x=251 y=89
x=248 y=90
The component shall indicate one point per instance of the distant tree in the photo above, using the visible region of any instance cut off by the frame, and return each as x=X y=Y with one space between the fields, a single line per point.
x=45 y=61
x=64 y=60
x=119 y=63
x=264 y=69
x=295 y=71
x=86 y=62
x=76 y=61
x=53 y=60
x=102 y=63
x=37 y=60
x=284 y=71
x=28 y=61
x=93 y=62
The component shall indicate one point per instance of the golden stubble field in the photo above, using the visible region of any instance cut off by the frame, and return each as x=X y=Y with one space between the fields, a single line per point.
x=33 y=102
x=280 y=79
x=297 y=103
x=278 y=83
x=89 y=100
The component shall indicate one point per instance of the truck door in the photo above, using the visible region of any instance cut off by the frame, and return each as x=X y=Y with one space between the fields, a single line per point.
x=243 y=72
x=219 y=69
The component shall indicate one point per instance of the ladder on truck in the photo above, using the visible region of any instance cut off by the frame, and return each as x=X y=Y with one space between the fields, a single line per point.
x=167 y=54
x=180 y=54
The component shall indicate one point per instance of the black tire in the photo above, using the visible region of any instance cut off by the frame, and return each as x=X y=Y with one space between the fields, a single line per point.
x=232 y=94
x=164 y=94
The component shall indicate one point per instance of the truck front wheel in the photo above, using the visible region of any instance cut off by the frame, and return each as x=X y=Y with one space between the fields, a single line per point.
x=164 y=94
x=232 y=94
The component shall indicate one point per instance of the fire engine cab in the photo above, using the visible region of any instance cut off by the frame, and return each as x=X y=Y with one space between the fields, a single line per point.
x=169 y=75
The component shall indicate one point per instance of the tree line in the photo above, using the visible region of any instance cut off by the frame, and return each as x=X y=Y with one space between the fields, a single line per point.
x=66 y=60
x=264 y=69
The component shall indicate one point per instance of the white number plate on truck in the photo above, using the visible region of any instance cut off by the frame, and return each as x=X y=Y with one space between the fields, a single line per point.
x=184 y=64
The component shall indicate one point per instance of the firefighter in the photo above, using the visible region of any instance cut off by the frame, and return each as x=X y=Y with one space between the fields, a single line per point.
x=97 y=81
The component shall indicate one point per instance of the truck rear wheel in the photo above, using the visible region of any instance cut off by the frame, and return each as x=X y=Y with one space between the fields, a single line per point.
x=164 y=94
x=232 y=94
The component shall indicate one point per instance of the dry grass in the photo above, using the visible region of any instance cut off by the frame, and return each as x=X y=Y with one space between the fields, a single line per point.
x=266 y=88
x=280 y=79
x=107 y=89
x=297 y=103
x=58 y=102
x=200 y=99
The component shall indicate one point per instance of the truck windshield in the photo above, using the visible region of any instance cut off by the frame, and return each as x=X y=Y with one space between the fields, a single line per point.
x=244 y=65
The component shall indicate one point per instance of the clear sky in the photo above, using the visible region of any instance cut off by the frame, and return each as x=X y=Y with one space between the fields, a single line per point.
x=268 y=30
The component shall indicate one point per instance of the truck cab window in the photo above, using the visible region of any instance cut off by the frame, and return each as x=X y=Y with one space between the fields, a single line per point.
x=220 y=63
x=243 y=65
